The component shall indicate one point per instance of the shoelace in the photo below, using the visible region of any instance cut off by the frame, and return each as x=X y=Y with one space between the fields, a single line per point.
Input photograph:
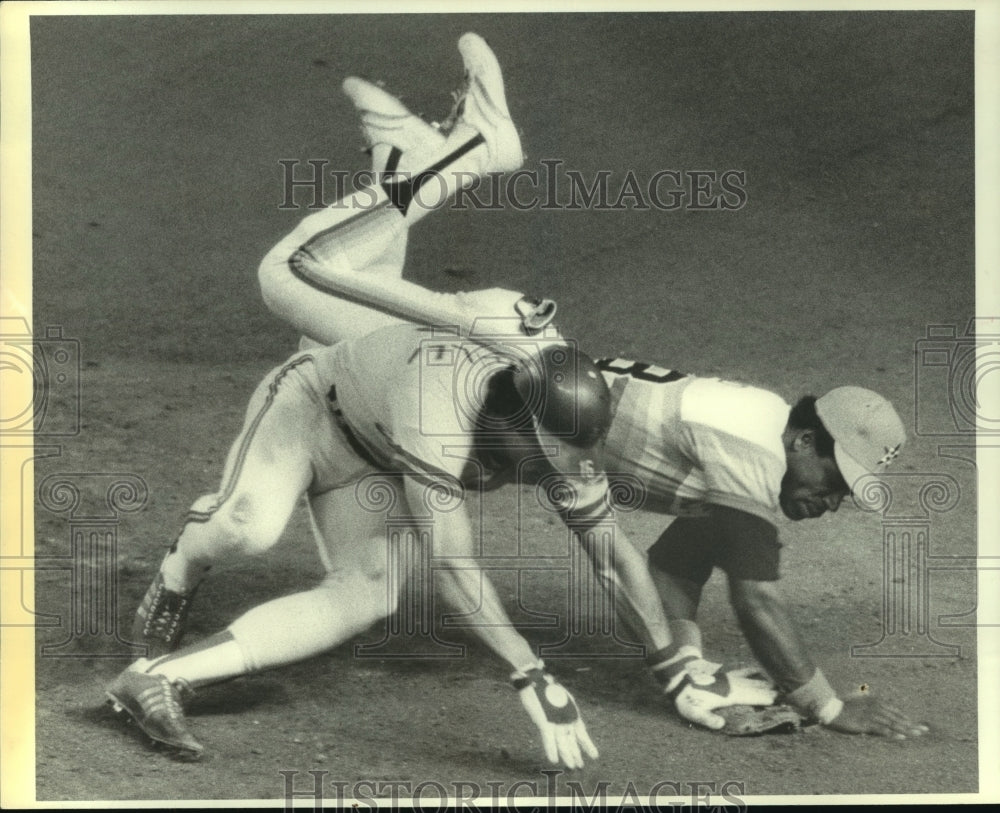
x=164 y=624
x=457 y=106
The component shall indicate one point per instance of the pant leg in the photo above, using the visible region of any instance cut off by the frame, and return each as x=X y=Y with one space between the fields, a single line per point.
x=349 y=236
x=268 y=469
x=352 y=533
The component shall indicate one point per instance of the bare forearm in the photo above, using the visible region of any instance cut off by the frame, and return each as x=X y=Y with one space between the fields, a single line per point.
x=468 y=591
x=623 y=572
x=773 y=637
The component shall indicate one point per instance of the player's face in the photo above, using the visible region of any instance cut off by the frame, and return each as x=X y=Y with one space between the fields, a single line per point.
x=812 y=484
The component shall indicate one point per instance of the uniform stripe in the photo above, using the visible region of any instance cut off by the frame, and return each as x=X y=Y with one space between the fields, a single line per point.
x=229 y=485
x=402 y=193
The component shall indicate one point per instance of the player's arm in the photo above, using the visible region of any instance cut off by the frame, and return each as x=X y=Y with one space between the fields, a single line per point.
x=775 y=641
x=770 y=632
x=468 y=589
x=620 y=569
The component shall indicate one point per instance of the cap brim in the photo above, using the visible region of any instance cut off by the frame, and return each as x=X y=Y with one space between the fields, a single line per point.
x=850 y=469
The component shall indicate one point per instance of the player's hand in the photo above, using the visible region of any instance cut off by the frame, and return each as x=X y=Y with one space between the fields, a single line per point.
x=867 y=715
x=700 y=692
x=554 y=711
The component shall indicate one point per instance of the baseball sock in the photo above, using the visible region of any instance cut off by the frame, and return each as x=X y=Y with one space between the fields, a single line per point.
x=217 y=658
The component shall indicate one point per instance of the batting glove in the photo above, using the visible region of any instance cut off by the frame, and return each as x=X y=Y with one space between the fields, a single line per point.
x=698 y=688
x=696 y=698
x=553 y=710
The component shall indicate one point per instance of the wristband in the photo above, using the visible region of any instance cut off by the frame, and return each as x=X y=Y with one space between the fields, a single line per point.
x=816 y=699
x=668 y=665
x=520 y=677
x=684 y=635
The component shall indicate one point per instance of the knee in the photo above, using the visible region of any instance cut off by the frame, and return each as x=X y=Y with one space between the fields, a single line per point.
x=241 y=525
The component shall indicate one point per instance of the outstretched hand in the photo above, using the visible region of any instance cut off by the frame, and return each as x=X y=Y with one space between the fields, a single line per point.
x=868 y=715
x=553 y=710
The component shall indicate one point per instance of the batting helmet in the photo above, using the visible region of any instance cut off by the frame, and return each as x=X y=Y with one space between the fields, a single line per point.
x=569 y=401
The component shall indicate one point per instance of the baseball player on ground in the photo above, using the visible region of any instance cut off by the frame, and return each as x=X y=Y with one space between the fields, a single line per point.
x=379 y=404
x=722 y=457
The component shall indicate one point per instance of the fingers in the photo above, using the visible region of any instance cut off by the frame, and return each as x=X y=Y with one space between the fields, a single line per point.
x=549 y=742
x=891 y=722
x=569 y=748
x=584 y=739
x=868 y=715
x=703 y=717
x=572 y=742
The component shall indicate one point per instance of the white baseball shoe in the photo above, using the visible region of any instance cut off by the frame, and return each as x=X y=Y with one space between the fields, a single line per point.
x=482 y=104
x=386 y=120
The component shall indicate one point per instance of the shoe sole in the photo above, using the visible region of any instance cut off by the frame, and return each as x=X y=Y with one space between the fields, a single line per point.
x=176 y=750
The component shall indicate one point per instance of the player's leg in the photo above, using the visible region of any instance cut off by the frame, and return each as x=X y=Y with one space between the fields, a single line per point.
x=267 y=470
x=355 y=593
x=369 y=241
x=423 y=168
x=354 y=538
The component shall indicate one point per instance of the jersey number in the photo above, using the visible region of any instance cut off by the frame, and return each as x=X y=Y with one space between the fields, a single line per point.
x=639 y=370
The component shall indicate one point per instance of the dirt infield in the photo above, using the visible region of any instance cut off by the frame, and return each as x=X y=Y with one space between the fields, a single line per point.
x=158 y=187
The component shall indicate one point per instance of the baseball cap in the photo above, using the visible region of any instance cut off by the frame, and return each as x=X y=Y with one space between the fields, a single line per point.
x=570 y=405
x=867 y=433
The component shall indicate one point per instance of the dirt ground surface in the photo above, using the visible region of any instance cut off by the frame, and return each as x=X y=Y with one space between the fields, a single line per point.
x=158 y=187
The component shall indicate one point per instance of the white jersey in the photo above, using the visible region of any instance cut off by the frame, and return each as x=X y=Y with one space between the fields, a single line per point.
x=693 y=441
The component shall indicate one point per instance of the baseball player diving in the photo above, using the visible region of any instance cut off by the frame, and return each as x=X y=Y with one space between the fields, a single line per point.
x=385 y=413
x=725 y=459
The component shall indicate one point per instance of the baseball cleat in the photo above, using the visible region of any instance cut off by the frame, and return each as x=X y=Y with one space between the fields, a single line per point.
x=161 y=619
x=386 y=120
x=482 y=104
x=154 y=703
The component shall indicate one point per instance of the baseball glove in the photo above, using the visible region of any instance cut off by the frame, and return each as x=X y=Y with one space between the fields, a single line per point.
x=752 y=721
